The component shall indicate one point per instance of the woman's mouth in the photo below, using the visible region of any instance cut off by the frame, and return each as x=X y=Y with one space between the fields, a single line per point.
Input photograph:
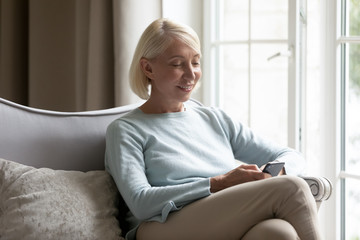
x=186 y=88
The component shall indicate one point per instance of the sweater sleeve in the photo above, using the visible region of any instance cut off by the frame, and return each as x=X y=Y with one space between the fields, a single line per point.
x=125 y=162
x=250 y=148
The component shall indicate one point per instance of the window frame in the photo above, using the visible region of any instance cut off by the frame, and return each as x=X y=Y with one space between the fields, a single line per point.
x=213 y=87
x=343 y=41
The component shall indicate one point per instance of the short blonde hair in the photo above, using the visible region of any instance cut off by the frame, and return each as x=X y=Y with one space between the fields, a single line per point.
x=156 y=38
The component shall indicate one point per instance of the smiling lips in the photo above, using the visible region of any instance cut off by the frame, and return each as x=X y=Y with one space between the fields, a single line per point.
x=186 y=88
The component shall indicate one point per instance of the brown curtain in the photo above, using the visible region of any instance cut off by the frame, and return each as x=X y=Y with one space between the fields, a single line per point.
x=70 y=55
x=14 y=50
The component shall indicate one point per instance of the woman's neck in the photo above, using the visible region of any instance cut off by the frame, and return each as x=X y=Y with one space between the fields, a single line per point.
x=151 y=107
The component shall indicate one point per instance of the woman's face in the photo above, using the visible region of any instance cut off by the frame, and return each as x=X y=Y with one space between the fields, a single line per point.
x=173 y=74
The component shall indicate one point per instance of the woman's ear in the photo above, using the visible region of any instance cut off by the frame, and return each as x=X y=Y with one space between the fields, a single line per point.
x=145 y=65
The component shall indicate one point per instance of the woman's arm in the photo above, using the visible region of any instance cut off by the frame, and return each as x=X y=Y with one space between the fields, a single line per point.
x=242 y=174
x=250 y=148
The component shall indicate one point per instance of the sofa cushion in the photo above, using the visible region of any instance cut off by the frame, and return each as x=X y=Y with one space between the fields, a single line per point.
x=56 y=204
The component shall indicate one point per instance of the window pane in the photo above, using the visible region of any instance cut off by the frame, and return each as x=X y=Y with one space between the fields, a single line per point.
x=354 y=21
x=353 y=111
x=235 y=20
x=235 y=92
x=269 y=19
x=313 y=90
x=352 y=217
x=269 y=82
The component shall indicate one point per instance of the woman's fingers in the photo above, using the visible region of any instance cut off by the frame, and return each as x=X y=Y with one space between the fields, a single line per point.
x=250 y=167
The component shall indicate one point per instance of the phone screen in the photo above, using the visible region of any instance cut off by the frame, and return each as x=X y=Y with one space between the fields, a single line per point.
x=273 y=168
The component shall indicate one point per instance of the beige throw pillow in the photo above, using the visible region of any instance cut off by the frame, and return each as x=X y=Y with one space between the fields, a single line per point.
x=56 y=204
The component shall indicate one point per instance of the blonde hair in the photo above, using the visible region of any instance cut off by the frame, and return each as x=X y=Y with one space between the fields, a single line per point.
x=156 y=38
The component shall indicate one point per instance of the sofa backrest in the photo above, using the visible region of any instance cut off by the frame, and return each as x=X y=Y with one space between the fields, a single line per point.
x=57 y=140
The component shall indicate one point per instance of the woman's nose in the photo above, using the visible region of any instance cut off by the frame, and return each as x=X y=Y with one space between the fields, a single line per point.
x=189 y=72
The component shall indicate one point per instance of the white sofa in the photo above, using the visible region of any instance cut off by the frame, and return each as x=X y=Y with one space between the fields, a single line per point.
x=52 y=179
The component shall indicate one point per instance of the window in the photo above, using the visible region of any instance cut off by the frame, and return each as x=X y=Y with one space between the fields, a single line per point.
x=316 y=45
x=349 y=64
x=255 y=60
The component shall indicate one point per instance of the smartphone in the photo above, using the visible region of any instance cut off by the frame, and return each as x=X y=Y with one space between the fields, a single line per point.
x=273 y=168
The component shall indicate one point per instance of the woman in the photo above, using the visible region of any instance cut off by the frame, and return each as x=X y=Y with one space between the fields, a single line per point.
x=175 y=165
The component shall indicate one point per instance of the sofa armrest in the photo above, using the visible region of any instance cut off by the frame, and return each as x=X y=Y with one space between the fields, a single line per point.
x=321 y=188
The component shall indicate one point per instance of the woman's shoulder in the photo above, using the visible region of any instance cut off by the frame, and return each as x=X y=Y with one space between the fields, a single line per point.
x=210 y=112
x=127 y=119
x=217 y=117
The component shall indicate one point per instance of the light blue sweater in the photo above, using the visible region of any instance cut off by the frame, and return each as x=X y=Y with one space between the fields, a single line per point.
x=161 y=162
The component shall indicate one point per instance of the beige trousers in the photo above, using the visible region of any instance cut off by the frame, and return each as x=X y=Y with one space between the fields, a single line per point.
x=280 y=208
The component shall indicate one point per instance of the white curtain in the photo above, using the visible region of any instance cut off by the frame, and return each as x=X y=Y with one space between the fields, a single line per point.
x=131 y=17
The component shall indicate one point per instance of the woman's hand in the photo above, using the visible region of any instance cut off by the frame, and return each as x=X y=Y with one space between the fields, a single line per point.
x=242 y=174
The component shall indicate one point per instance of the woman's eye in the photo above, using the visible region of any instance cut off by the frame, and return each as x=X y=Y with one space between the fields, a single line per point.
x=180 y=64
x=176 y=64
